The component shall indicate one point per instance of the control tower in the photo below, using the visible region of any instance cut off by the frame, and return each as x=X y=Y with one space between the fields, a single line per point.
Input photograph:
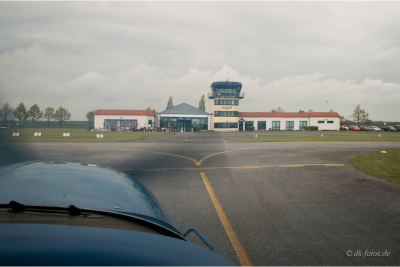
x=225 y=96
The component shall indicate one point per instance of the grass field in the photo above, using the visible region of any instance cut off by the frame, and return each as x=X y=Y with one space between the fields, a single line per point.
x=76 y=135
x=52 y=125
x=383 y=166
x=318 y=137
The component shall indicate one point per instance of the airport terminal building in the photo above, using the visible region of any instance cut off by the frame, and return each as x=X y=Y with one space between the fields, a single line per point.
x=225 y=116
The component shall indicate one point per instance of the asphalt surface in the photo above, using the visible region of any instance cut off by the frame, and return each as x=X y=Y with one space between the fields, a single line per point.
x=288 y=203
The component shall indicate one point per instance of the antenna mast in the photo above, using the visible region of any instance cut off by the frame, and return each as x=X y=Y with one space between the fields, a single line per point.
x=227 y=78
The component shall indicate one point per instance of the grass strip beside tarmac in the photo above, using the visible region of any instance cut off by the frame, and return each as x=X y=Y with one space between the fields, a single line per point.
x=383 y=137
x=383 y=166
x=76 y=135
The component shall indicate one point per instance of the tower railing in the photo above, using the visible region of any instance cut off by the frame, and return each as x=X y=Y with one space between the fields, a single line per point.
x=225 y=95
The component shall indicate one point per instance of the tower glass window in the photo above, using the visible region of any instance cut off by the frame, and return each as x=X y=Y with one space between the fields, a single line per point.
x=226 y=102
x=226 y=90
x=225 y=113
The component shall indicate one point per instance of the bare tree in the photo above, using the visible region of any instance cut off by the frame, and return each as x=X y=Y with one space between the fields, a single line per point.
x=279 y=109
x=149 y=108
x=20 y=113
x=48 y=115
x=34 y=114
x=61 y=115
x=359 y=115
x=6 y=113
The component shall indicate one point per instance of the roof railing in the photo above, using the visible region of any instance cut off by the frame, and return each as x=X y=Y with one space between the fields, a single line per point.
x=212 y=95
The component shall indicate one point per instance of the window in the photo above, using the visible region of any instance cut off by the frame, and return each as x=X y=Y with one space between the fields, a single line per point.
x=276 y=125
x=248 y=123
x=225 y=113
x=289 y=125
x=226 y=125
x=302 y=125
x=202 y=122
x=261 y=125
x=173 y=123
x=321 y=121
x=167 y=122
x=227 y=91
x=226 y=102
x=329 y=121
x=114 y=123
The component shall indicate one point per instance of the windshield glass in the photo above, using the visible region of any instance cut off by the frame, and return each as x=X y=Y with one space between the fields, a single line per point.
x=241 y=118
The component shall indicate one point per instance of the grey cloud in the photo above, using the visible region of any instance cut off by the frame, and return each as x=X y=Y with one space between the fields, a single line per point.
x=297 y=55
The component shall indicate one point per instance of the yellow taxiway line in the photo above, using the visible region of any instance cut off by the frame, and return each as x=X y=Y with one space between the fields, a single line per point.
x=197 y=163
x=223 y=152
x=200 y=162
x=236 y=167
x=155 y=152
x=239 y=249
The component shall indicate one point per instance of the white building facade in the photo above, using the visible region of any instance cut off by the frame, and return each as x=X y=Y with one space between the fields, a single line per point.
x=289 y=121
x=132 y=119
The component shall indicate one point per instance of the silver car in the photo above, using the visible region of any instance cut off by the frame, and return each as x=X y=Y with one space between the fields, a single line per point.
x=374 y=128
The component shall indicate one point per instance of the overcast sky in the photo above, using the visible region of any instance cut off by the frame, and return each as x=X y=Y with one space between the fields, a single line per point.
x=131 y=55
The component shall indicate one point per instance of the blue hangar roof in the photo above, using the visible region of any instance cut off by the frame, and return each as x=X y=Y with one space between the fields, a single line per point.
x=184 y=109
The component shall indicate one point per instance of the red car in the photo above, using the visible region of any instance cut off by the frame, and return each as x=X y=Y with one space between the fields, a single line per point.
x=397 y=127
x=364 y=128
x=354 y=128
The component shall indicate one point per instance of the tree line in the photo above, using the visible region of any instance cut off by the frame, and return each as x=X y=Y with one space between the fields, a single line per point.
x=34 y=114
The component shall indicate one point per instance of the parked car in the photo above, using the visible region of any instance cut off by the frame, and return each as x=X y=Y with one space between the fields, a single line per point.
x=397 y=127
x=374 y=128
x=346 y=127
x=58 y=213
x=364 y=128
x=389 y=129
x=354 y=128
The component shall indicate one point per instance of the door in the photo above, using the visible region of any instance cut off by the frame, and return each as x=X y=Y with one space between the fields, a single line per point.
x=241 y=122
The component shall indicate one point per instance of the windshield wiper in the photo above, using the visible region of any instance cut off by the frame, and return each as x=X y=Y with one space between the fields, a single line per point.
x=72 y=210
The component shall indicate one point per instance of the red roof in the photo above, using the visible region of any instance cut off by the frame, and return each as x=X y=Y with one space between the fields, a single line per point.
x=124 y=112
x=288 y=114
